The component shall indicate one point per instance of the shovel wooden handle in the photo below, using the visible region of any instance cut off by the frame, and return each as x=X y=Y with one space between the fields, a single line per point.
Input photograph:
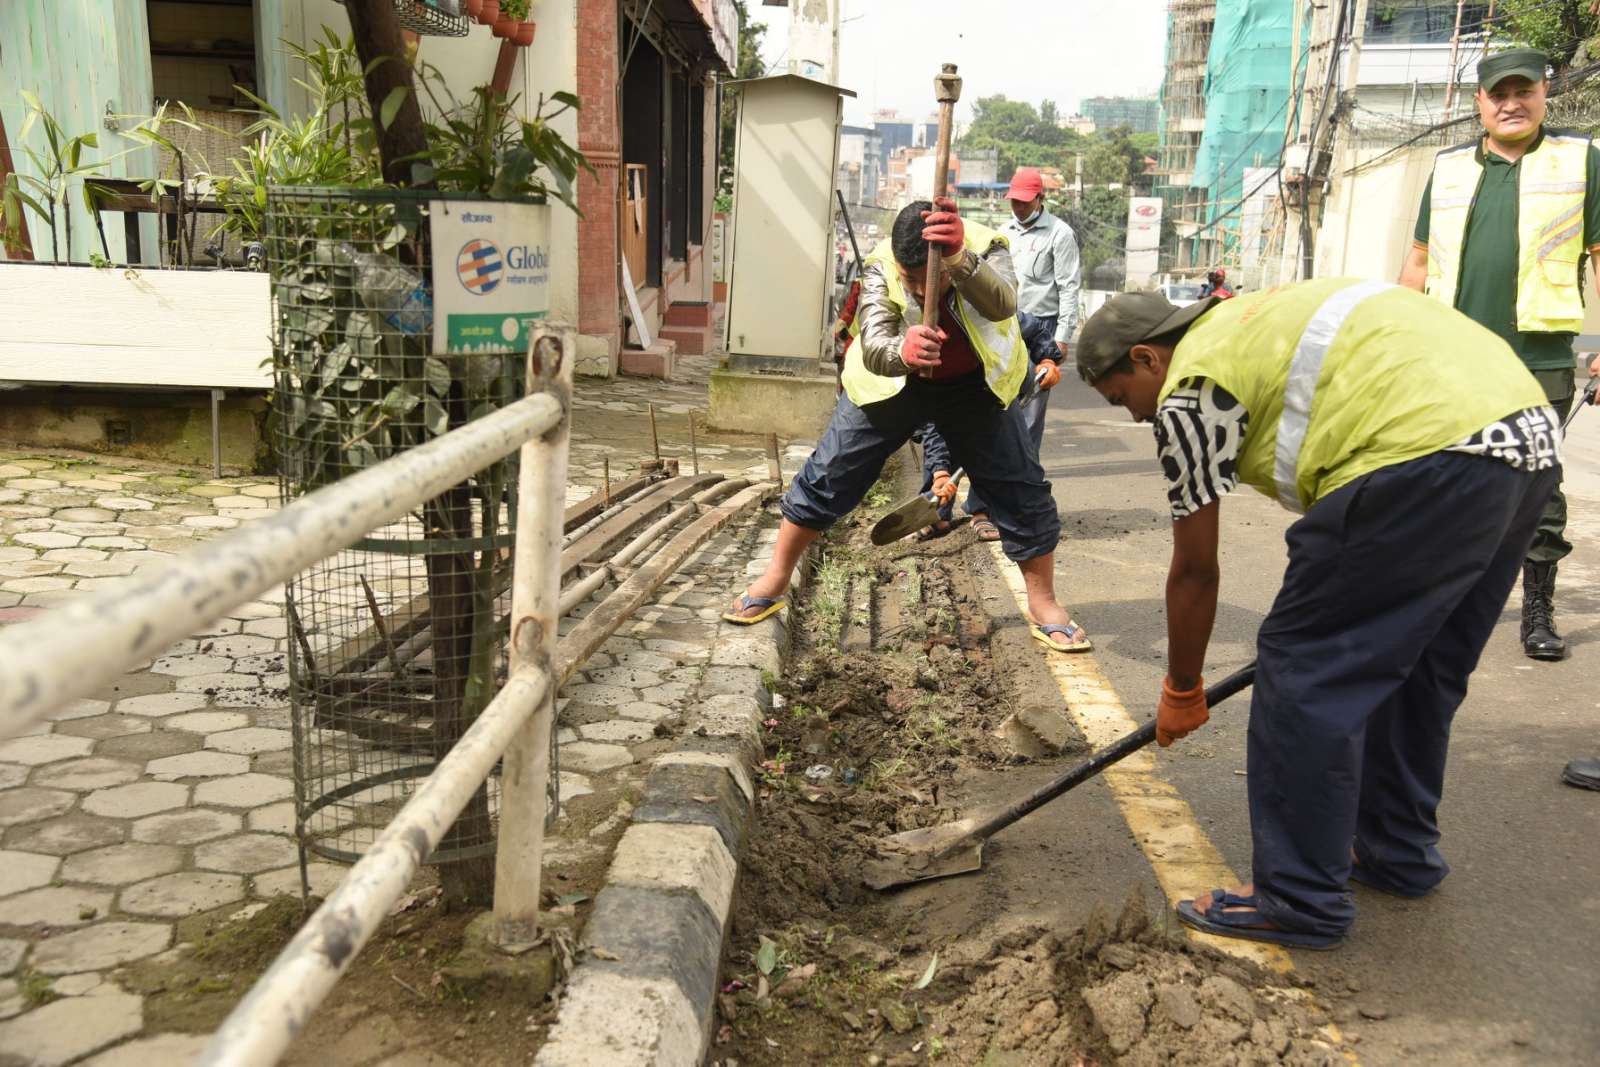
x=947 y=90
x=1113 y=753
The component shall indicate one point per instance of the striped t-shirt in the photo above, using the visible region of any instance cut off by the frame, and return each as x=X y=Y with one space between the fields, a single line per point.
x=1200 y=429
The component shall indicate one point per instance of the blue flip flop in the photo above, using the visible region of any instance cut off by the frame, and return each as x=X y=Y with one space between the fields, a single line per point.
x=1077 y=640
x=769 y=606
x=1248 y=925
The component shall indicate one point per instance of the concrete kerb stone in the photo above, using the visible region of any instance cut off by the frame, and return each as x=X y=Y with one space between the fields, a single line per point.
x=647 y=995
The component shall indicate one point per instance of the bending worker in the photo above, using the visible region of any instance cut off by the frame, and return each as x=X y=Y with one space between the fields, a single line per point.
x=1501 y=236
x=1421 y=453
x=960 y=376
x=1044 y=253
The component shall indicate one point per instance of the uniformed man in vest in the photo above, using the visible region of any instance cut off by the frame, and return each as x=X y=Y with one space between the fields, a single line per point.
x=961 y=376
x=1419 y=452
x=1504 y=227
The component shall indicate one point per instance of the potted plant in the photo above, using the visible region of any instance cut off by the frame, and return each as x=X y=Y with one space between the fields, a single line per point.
x=472 y=8
x=524 y=35
x=488 y=12
x=512 y=14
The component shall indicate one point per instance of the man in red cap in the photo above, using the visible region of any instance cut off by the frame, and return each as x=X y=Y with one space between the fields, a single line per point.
x=1044 y=252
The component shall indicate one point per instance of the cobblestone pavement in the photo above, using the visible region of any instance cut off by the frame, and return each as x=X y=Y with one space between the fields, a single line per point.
x=171 y=794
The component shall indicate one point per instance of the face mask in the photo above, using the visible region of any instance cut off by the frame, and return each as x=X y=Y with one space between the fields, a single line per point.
x=1031 y=219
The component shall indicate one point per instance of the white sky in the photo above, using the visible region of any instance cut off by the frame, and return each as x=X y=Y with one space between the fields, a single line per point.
x=1033 y=50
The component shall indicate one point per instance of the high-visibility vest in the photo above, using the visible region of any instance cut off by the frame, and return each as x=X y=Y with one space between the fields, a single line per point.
x=999 y=344
x=1342 y=377
x=1550 y=199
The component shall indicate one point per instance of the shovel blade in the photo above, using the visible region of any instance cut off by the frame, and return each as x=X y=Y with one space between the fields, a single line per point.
x=914 y=856
x=905 y=520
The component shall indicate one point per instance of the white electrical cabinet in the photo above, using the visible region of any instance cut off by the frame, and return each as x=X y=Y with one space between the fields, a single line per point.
x=781 y=269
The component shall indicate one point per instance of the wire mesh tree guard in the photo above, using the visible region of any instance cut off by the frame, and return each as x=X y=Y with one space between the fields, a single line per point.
x=400 y=641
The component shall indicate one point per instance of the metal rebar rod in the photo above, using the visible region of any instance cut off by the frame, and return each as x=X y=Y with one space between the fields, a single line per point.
x=262 y=1026
x=535 y=612
x=73 y=650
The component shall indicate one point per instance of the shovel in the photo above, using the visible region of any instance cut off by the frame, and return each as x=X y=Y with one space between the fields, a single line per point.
x=921 y=510
x=957 y=847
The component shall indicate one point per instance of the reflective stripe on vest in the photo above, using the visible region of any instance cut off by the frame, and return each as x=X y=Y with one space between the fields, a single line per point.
x=999 y=345
x=1305 y=368
x=1551 y=188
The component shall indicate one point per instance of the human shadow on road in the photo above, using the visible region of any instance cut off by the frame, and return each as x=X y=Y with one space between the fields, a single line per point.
x=1135 y=629
x=1110 y=524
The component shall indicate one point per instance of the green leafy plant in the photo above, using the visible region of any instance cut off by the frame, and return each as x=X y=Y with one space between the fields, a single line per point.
x=45 y=192
x=517 y=9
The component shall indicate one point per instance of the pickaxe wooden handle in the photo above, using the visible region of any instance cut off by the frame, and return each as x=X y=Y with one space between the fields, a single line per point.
x=947 y=91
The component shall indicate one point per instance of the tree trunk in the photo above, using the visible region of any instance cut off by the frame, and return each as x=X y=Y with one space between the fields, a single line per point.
x=378 y=37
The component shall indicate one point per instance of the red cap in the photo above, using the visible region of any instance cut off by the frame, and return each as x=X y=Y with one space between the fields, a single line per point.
x=1026 y=184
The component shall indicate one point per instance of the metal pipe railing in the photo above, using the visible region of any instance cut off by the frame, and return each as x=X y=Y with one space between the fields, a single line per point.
x=76 y=649
x=261 y=1027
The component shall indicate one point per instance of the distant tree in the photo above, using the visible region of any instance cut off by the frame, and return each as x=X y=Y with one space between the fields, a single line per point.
x=749 y=65
x=1101 y=226
x=1556 y=27
x=1113 y=159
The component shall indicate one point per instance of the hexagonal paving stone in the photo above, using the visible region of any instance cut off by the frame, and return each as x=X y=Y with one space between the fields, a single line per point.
x=47 y=539
x=12 y=774
x=197 y=765
x=251 y=740
x=102 y=727
x=188 y=827
x=122 y=864
x=33 y=751
x=99 y=947
x=274 y=628
x=79 y=709
x=592 y=756
x=25 y=870
x=244 y=791
x=158 y=1051
x=324 y=879
x=30 y=804
x=83 y=775
x=246 y=853
x=70 y=1029
x=208 y=722
x=12 y=949
x=267 y=663
x=238 y=645
x=217 y=683
x=625 y=677
x=191 y=664
x=123 y=503
x=62 y=905
x=153 y=745
x=85 y=515
x=175 y=895
x=68 y=834
x=140 y=798
x=75 y=555
x=618 y=731
x=156 y=705
x=605 y=696
x=111 y=568
x=273 y=818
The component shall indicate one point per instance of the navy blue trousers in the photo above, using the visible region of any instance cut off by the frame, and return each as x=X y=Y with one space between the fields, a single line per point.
x=988 y=440
x=1394 y=584
x=1039 y=334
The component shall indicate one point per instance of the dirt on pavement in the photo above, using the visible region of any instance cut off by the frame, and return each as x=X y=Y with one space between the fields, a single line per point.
x=888 y=714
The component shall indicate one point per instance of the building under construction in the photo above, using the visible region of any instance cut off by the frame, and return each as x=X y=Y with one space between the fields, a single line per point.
x=1224 y=104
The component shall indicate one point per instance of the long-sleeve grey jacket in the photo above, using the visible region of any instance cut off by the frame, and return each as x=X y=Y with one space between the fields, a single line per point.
x=986 y=282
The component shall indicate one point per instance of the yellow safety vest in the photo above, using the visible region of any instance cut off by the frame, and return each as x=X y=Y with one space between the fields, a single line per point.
x=999 y=344
x=1550 y=199
x=1342 y=377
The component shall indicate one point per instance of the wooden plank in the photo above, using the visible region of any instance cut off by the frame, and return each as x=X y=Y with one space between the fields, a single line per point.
x=611 y=533
x=80 y=325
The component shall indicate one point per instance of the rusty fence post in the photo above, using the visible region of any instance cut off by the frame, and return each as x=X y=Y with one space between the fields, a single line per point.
x=535 y=609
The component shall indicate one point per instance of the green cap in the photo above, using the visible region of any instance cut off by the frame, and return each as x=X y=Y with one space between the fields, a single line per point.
x=1530 y=63
x=1126 y=320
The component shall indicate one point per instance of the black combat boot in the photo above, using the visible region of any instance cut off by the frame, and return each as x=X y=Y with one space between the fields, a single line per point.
x=1539 y=637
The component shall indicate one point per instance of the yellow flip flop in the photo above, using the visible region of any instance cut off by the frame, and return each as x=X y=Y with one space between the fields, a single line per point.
x=1077 y=639
x=769 y=607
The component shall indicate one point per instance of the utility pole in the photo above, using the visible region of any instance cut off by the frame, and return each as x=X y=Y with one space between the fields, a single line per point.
x=814 y=39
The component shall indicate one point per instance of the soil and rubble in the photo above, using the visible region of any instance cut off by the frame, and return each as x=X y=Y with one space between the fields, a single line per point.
x=893 y=700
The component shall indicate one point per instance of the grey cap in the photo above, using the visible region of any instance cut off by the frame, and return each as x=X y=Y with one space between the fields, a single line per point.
x=1530 y=63
x=1126 y=320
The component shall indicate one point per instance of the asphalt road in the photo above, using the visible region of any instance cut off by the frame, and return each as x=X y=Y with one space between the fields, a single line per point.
x=1502 y=965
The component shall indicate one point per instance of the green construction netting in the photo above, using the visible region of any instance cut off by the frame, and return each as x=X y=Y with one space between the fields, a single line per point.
x=1247 y=98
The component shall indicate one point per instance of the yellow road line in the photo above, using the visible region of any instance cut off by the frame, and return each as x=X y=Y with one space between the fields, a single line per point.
x=1185 y=861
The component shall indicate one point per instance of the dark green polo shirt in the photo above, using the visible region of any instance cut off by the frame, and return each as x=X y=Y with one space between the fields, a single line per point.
x=1488 y=291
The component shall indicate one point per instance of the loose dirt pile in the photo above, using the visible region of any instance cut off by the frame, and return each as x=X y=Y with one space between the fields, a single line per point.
x=894 y=699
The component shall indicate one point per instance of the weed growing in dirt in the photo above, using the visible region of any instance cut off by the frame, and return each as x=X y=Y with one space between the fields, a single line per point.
x=35 y=988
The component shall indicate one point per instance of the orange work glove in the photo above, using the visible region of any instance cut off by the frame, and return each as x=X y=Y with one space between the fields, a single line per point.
x=920 y=348
x=1047 y=375
x=944 y=489
x=1181 y=712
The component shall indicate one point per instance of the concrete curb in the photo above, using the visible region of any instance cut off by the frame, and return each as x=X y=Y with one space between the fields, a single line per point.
x=645 y=989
